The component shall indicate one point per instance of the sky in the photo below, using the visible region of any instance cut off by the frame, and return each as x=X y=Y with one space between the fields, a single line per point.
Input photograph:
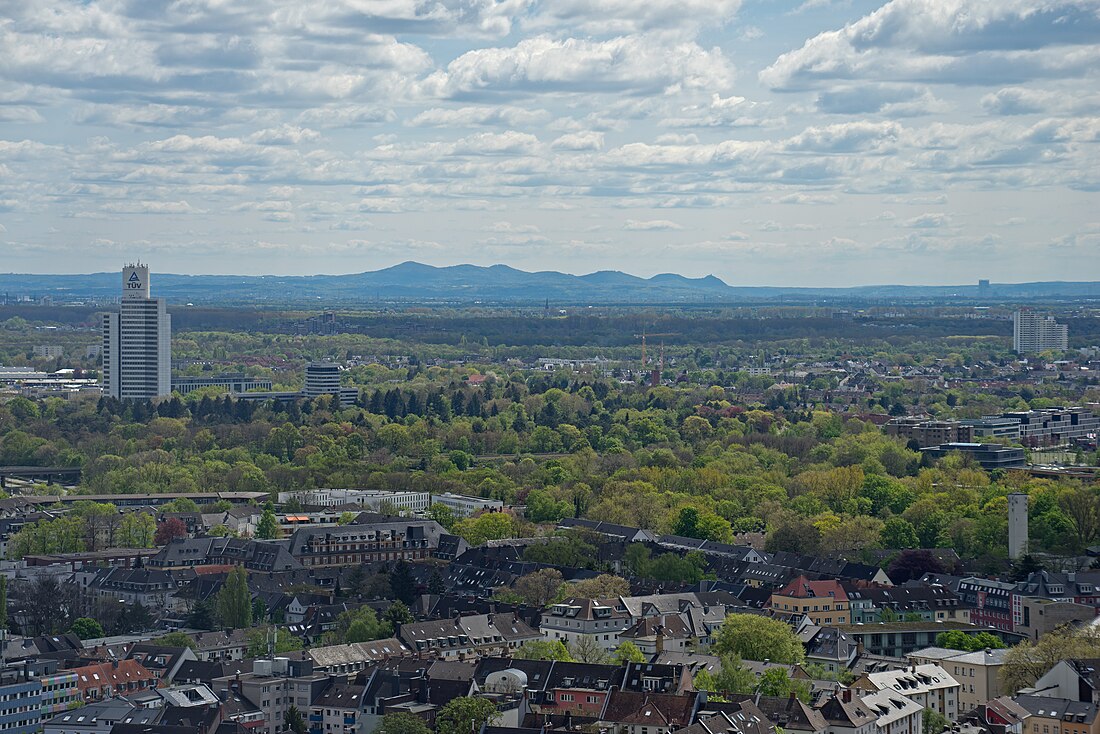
x=815 y=142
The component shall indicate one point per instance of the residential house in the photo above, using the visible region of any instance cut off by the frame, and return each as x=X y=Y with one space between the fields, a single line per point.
x=978 y=673
x=485 y=634
x=872 y=604
x=846 y=713
x=365 y=543
x=1058 y=715
x=895 y=713
x=337 y=708
x=1077 y=680
x=630 y=712
x=116 y=678
x=230 y=645
x=929 y=685
x=824 y=602
x=654 y=635
x=163 y=662
x=600 y=620
x=999 y=716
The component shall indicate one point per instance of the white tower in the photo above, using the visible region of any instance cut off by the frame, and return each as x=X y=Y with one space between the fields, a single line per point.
x=1033 y=333
x=1017 y=525
x=137 y=342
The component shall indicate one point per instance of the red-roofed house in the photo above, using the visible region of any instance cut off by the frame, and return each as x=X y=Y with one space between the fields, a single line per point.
x=824 y=602
x=108 y=680
x=631 y=712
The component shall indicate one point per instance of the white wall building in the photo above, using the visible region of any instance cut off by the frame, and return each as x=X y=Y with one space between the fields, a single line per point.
x=896 y=714
x=1032 y=333
x=1017 y=525
x=137 y=342
x=373 y=499
x=464 y=505
x=929 y=686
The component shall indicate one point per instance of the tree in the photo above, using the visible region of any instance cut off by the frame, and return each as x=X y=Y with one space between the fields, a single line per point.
x=776 y=682
x=169 y=530
x=539 y=587
x=234 y=601
x=294 y=720
x=794 y=536
x=402 y=583
x=397 y=614
x=752 y=637
x=489 y=526
x=136 y=530
x=959 y=640
x=402 y=723
x=202 y=615
x=45 y=604
x=1024 y=566
x=585 y=649
x=627 y=652
x=268 y=527
x=443 y=515
x=177 y=639
x=933 y=722
x=912 y=564
x=86 y=628
x=543 y=650
x=603 y=586
x=542 y=507
x=1027 y=662
x=358 y=625
x=464 y=715
x=259 y=642
x=1081 y=507
x=899 y=533
x=732 y=677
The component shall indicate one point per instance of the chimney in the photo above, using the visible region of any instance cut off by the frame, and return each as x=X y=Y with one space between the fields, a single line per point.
x=660 y=642
x=846 y=695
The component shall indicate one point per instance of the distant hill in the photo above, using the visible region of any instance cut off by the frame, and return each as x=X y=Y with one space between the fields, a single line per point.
x=412 y=281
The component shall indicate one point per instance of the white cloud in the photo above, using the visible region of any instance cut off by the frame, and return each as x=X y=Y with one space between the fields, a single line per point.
x=544 y=64
x=959 y=41
x=650 y=225
x=579 y=141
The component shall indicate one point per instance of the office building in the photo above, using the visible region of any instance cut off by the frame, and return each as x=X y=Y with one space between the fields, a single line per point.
x=378 y=500
x=464 y=505
x=928 y=432
x=137 y=342
x=233 y=383
x=49 y=351
x=323 y=378
x=989 y=455
x=1033 y=333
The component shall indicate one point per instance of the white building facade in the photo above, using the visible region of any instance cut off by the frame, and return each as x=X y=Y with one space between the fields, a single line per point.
x=1032 y=333
x=137 y=342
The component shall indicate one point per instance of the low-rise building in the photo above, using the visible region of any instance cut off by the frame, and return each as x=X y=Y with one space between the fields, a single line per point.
x=823 y=602
x=464 y=505
x=1058 y=715
x=978 y=673
x=600 y=620
x=929 y=686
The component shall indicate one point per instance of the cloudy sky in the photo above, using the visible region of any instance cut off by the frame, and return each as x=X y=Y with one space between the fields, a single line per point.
x=825 y=142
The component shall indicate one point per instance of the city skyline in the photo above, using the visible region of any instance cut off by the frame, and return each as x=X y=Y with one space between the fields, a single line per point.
x=806 y=143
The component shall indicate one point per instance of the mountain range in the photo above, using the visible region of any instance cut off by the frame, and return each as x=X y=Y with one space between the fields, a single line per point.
x=465 y=284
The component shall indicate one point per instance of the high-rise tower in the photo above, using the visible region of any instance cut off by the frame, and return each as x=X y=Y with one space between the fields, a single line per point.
x=1032 y=332
x=137 y=341
x=1017 y=525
